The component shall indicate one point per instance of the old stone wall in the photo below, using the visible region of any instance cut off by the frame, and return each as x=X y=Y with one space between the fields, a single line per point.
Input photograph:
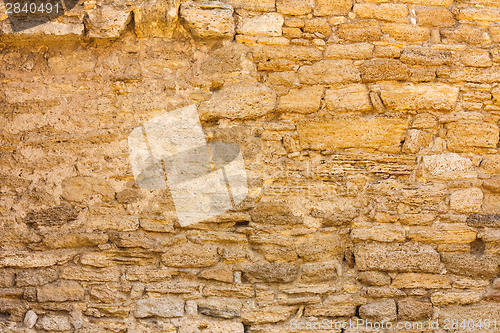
x=370 y=135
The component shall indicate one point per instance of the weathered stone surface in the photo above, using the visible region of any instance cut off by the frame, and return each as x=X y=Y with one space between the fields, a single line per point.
x=425 y=56
x=220 y=307
x=210 y=19
x=293 y=7
x=446 y=298
x=269 y=314
x=270 y=272
x=448 y=166
x=24 y=259
x=446 y=233
x=384 y=134
x=414 y=310
x=384 y=12
x=360 y=31
x=54 y=323
x=382 y=311
x=106 y=21
x=329 y=72
x=380 y=233
x=435 y=17
x=334 y=306
x=421 y=280
x=492 y=184
x=353 y=97
x=397 y=257
x=462 y=135
x=263 y=25
x=406 y=32
x=315 y=247
x=190 y=255
x=30 y=319
x=332 y=7
x=80 y=188
x=349 y=51
x=303 y=100
x=427 y=96
x=384 y=69
x=486 y=266
x=466 y=201
x=416 y=140
x=60 y=292
x=374 y=278
x=37 y=277
x=165 y=307
x=320 y=271
x=240 y=100
x=156 y=18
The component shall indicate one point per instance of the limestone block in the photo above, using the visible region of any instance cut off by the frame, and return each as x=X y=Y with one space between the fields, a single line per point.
x=384 y=134
x=349 y=51
x=269 y=24
x=466 y=201
x=392 y=12
x=210 y=19
x=384 y=69
x=435 y=17
x=349 y=98
x=294 y=7
x=303 y=100
x=156 y=18
x=332 y=7
x=319 y=271
x=221 y=307
x=386 y=232
x=106 y=21
x=239 y=101
x=463 y=136
x=268 y=314
x=447 y=298
x=166 y=307
x=270 y=272
x=421 y=280
x=397 y=257
x=54 y=323
x=424 y=96
x=37 y=277
x=382 y=311
x=445 y=233
x=329 y=72
x=60 y=292
x=414 y=310
x=374 y=278
x=406 y=32
x=190 y=255
x=415 y=140
x=448 y=166
x=425 y=56
x=360 y=31
x=468 y=264
x=28 y=259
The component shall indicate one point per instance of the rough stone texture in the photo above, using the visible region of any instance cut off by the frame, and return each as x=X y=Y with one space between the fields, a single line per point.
x=369 y=133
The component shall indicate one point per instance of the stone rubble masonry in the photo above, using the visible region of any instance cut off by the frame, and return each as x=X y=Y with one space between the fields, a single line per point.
x=370 y=135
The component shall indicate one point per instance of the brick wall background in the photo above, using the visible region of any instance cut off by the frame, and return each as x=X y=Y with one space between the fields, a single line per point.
x=370 y=133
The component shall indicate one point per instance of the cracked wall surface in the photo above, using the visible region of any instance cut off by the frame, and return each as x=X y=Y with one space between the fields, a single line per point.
x=370 y=134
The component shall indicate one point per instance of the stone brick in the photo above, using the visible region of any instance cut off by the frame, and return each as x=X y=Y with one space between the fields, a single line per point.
x=165 y=307
x=268 y=314
x=254 y=5
x=490 y=164
x=317 y=25
x=60 y=292
x=268 y=24
x=492 y=184
x=428 y=96
x=397 y=257
x=90 y=274
x=80 y=188
x=386 y=11
x=414 y=310
x=37 y=277
x=293 y=7
x=270 y=272
x=462 y=135
x=334 y=306
x=156 y=18
x=190 y=255
x=421 y=280
x=466 y=201
x=426 y=56
x=211 y=19
x=383 y=69
x=448 y=166
x=379 y=311
x=329 y=72
x=464 y=34
x=54 y=323
x=380 y=233
x=291 y=52
x=384 y=134
x=26 y=259
x=443 y=233
x=416 y=140
x=239 y=101
x=229 y=290
x=435 y=17
x=475 y=74
x=374 y=278
x=220 y=307
x=479 y=14
x=406 y=32
x=349 y=51
x=467 y=264
x=319 y=271
x=106 y=21
x=350 y=98
x=476 y=58
x=332 y=7
x=303 y=100
x=315 y=247
x=446 y=298
x=360 y=31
